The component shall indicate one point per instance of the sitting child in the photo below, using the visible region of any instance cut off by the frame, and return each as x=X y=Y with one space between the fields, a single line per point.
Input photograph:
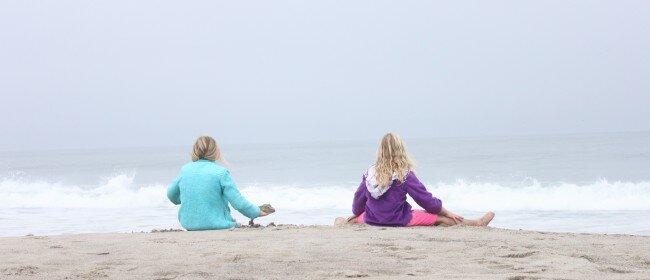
x=204 y=188
x=381 y=196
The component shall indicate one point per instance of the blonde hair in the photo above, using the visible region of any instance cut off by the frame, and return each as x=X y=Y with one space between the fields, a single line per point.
x=206 y=148
x=392 y=158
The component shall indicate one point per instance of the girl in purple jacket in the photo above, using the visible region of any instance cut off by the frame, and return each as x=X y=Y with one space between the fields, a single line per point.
x=381 y=196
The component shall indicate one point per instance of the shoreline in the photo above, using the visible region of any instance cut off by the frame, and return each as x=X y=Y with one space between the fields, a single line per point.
x=258 y=226
x=272 y=225
x=326 y=252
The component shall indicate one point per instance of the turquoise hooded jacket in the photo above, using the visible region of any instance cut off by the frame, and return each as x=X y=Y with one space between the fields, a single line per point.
x=204 y=189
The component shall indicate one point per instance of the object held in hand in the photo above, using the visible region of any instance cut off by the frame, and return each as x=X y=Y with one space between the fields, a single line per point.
x=267 y=208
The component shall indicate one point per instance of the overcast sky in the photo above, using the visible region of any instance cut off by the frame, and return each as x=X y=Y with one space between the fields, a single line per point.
x=155 y=73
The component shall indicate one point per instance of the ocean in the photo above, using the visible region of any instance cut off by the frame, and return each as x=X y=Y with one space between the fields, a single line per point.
x=591 y=183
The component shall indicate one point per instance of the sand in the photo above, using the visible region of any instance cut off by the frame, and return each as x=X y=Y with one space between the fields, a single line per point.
x=325 y=252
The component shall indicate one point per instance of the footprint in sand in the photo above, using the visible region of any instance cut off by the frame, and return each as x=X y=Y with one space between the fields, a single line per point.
x=586 y=257
x=26 y=270
x=199 y=274
x=94 y=274
x=166 y=275
x=614 y=270
x=355 y=275
x=519 y=255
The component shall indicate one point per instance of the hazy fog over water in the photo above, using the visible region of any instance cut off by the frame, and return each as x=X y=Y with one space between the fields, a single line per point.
x=157 y=73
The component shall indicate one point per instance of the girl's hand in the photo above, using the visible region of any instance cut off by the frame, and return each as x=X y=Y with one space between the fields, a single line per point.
x=456 y=218
x=451 y=215
x=262 y=213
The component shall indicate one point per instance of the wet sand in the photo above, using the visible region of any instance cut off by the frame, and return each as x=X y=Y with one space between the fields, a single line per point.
x=323 y=252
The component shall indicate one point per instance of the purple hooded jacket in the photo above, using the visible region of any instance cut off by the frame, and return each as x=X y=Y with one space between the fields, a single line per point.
x=391 y=208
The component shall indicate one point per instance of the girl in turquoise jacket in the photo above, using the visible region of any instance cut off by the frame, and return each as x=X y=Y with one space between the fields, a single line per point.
x=204 y=188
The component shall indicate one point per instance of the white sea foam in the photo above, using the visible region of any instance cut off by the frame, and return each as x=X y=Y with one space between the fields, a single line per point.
x=599 y=195
x=120 y=192
x=116 y=192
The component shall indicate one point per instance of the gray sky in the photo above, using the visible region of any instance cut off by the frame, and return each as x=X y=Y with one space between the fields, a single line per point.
x=151 y=73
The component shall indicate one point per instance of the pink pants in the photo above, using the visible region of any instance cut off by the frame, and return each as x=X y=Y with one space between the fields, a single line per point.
x=420 y=218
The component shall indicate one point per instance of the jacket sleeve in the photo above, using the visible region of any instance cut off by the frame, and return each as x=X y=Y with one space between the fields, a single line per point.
x=174 y=191
x=422 y=197
x=359 y=202
x=235 y=198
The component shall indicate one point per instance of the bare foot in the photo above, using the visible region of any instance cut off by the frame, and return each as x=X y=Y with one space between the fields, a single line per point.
x=340 y=221
x=486 y=219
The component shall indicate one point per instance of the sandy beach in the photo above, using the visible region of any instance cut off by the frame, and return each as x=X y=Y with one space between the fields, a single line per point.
x=324 y=252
